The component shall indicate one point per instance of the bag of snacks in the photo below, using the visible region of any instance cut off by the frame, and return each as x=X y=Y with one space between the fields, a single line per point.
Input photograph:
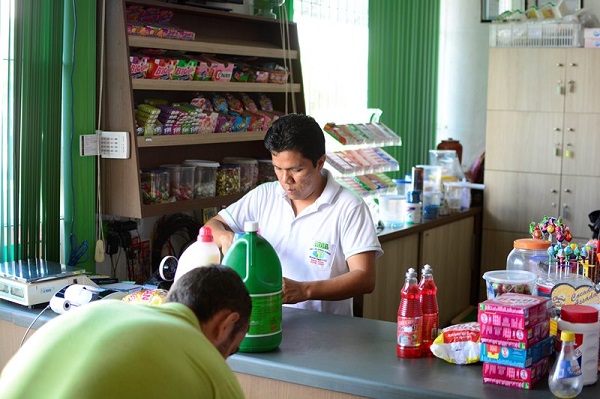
x=458 y=344
x=147 y=297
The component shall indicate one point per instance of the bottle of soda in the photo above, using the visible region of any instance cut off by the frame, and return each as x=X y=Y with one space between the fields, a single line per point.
x=410 y=322
x=429 y=308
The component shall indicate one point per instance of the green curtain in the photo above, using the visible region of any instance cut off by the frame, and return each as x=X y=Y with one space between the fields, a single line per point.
x=79 y=115
x=403 y=68
x=37 y=128
x=49 y=97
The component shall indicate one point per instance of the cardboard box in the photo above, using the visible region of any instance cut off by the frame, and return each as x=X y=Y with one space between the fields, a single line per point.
x=504 y=355
x=592 y=43
x=514 y=309
x=515 y=337
x=515 y=377
x=591 y=33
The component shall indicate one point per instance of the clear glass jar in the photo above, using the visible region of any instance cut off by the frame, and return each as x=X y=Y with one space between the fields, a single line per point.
x=530 y=255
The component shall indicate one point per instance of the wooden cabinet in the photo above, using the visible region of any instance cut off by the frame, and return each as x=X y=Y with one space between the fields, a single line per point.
x=542 y=116
x=449 y=244
x=216 y=32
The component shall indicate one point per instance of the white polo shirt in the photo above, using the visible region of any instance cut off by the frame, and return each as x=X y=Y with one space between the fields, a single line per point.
x=315 y=244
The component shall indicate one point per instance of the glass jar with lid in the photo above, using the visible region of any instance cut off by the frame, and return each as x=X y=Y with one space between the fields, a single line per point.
x=529 y=254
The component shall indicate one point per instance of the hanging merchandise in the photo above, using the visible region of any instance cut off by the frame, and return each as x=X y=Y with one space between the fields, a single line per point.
x=256 y=261
x=410 y=320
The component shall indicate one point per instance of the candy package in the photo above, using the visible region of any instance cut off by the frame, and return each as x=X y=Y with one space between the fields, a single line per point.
x=458 y=344
x=147 y=296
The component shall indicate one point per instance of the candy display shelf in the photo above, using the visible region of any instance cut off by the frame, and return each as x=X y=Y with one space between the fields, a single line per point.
x=216 y=32
x=356 y=160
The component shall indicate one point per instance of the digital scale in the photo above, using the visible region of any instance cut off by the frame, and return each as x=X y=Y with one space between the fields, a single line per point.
x=35 y=281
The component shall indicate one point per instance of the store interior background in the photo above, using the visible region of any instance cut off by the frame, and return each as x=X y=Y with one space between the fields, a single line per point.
x=462 y=89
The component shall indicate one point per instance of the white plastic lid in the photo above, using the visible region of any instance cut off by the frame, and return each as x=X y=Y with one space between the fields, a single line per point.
x=201 y=162
x=510 y=276
x=239 y=160
x=250 y=226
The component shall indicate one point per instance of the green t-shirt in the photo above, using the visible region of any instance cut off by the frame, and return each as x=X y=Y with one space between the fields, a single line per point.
x=113 y=349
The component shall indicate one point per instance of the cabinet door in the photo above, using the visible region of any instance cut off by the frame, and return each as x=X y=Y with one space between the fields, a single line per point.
x=524 y=141
x=448 y=249
x=513 y=200
x=530 y=79
x=580 y=196
x=581 y=144
x=583 y=82
x=398 y=256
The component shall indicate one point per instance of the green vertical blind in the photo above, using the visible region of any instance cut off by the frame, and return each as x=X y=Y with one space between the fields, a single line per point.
x=37 y=41
x=37 y=128
x=403 y=65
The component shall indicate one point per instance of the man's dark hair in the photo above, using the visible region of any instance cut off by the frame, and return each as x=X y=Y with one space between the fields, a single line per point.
x=296 y=132
x=207 y=290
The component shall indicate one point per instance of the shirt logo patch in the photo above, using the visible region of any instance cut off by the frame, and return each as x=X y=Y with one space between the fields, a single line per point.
x=320 y=255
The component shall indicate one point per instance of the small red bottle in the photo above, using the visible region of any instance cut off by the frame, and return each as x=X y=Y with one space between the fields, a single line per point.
x=410 y=322
x=429 y=308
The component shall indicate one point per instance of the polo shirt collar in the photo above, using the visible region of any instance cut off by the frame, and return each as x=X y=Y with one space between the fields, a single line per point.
x=329 y=192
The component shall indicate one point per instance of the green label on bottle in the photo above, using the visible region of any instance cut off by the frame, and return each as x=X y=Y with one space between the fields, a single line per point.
x=265 y=318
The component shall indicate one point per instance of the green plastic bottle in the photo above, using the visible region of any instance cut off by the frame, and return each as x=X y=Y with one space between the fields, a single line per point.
x=256 y=261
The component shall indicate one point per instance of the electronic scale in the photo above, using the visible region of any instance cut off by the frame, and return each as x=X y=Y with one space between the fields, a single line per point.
x=35 y=281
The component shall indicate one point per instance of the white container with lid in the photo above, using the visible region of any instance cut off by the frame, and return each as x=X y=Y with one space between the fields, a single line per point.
x=583 y=321
x=205 y=177
x=181 y=186
x=391 y=210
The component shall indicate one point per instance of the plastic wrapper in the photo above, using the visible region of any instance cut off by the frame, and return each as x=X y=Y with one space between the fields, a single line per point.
x=458 y=344
x=147 y=297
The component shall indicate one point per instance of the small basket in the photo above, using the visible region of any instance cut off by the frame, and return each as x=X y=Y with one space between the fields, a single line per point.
x=536 y=34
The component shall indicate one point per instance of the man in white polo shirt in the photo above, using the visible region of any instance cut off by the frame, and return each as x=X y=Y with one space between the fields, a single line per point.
x=323 y=233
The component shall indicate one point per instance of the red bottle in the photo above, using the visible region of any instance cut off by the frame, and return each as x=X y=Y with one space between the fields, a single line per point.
x=410 y=323
x=429 y=308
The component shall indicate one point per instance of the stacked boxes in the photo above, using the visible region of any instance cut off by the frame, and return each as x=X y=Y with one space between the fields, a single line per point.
x=515 y=340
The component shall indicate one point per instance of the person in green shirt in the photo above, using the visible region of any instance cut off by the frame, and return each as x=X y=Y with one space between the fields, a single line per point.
x=114 y=349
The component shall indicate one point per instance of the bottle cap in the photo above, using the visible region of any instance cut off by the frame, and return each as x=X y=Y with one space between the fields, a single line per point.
x=411 y=273
x=579 y=314
x=531 y=243
x=567 y=336
x=413 y=197
x=250 y=226
x=427 y=270
x=205 y=234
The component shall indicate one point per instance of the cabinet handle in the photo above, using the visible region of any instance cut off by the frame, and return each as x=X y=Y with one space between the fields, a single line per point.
x=573 y=64
x=560 y=89
x=557 y=129
x=567 y=190
x=570 y=129
x=565 y=212
x=571 y=86
x=559 y=64
x=554 y=191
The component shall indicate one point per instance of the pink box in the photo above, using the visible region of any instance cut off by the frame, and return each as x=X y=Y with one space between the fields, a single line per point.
x=592 y=43
x=520 y=338
x=515 y=377
x=514 y=309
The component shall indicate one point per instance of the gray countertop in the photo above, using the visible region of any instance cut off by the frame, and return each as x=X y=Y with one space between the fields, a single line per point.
x=351 y=355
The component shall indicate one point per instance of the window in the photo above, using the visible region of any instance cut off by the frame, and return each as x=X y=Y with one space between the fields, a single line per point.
x=334 y=43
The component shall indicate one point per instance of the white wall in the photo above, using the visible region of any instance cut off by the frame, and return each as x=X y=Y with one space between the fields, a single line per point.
x=462 y=92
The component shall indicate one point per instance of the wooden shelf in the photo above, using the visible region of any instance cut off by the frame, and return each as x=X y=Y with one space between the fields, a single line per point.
x=196 y=85
x=239 y=48
x=188 y=206
x=195 y=139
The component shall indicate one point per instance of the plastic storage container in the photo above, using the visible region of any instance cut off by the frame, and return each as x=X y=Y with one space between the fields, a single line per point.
x=205 y=177
x=500 y=282
x=155 y=186
x=392 y=210
x=530 y=255
x=248 y=171
x=266 y=173
x=431 y=204
x=257 y=263
x=228 y=179
x=432 y=177
x=181 y=181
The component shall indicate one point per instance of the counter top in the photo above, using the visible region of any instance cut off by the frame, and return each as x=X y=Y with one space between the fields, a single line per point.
x=388 y=234
x=358 y=356
x=351 y=355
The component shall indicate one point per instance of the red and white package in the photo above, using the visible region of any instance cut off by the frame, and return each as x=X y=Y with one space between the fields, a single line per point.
x=458 y=344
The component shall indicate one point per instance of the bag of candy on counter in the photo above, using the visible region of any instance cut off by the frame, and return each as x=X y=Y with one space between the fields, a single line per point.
x=458 y=344
x=147 y=296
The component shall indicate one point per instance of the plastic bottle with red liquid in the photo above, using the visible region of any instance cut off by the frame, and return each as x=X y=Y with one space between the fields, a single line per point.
x=410 y=321
x=429 y=308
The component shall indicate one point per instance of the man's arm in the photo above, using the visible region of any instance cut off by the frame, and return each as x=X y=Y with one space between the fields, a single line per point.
x=222 y=234
x=360 y=279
